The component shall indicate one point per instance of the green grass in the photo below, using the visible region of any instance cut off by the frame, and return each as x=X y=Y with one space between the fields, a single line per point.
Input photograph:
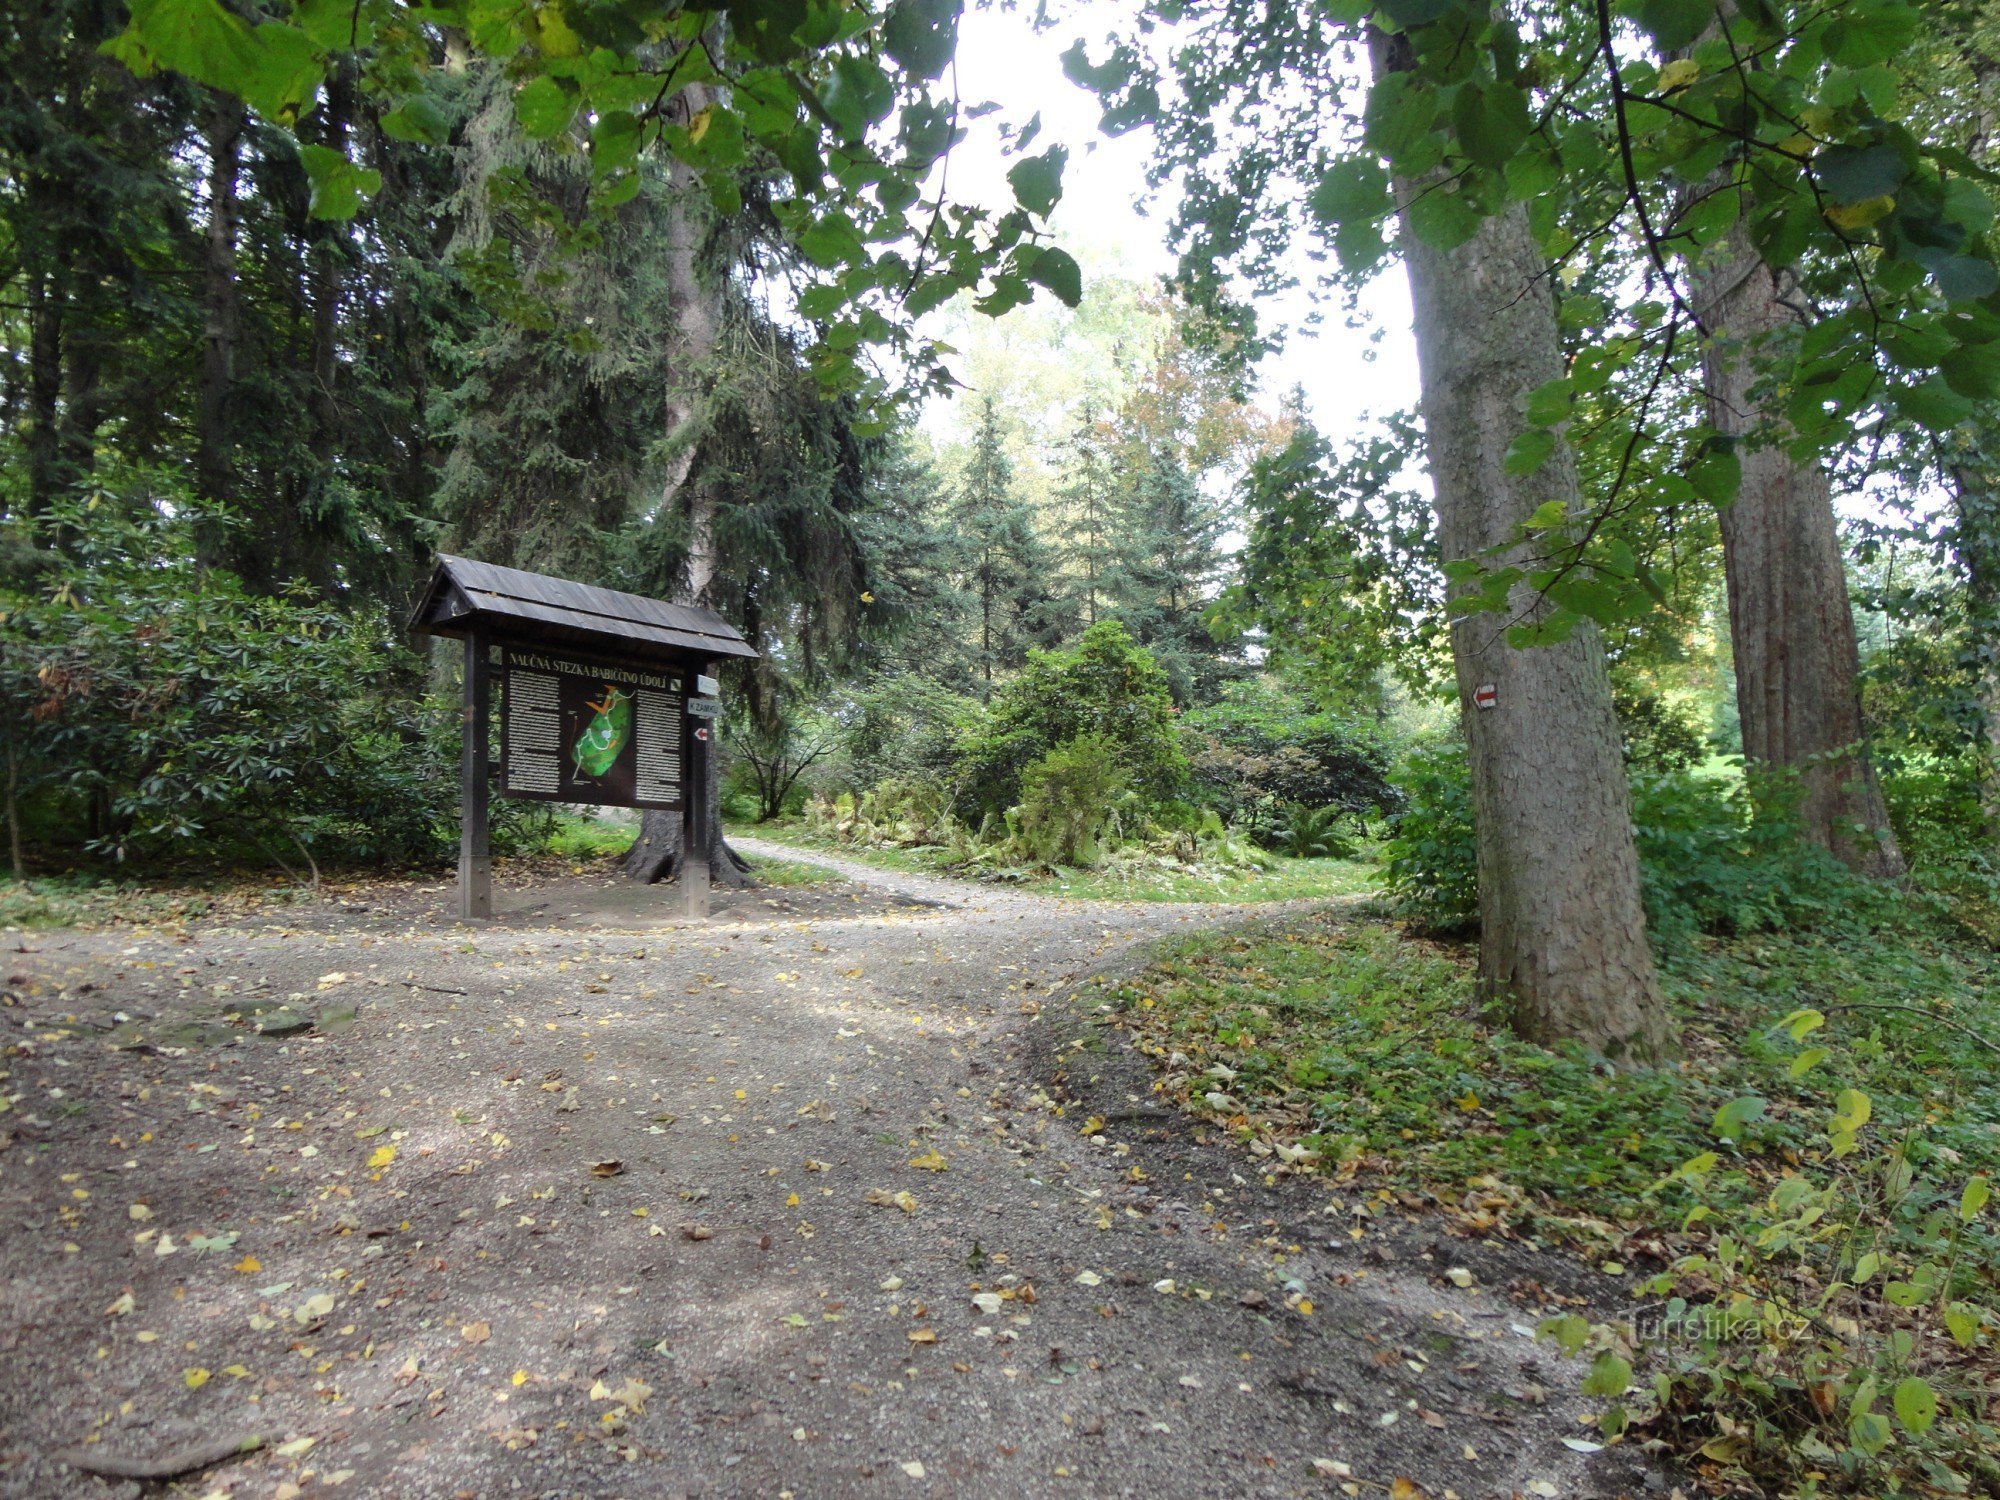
x=589 y=838
x=1340 y=1032
x=1288 y=879
x=789 y=872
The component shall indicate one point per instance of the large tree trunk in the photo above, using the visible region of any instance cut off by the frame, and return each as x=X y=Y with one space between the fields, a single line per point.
x=1977 y=505
x=1791 y=627
x=1563 y=932
x=695 y=291
x=221 y=313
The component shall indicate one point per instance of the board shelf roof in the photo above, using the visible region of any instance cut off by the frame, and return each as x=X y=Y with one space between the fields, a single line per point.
x=533 y=608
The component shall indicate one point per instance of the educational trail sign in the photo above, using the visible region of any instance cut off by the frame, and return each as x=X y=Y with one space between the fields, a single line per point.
x=604 y=698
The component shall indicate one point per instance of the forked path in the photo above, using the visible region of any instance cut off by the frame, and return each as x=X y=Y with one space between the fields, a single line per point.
x=760 y=1207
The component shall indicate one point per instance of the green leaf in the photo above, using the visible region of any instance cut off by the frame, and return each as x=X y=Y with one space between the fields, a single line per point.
x=1962 y=278
x=1569 y=1330
x=1353 y=197
x=1609 y=1376
x=1058 y=271
x=544 y=108
x=1442 y=219
x=1854 y=174
x=1868 y=1431
x=418 y=118
x=1931 y=403
x=1717 y=474
x=1550 y=403
x=334 y=25
x=1962 y=1323
x=1037 y=180
x=1528 y=452
x=1354 y=187
x=1548 y=514
x=1737 y=1113
x=1972 y=370
x=1977 y=1191
x=1408 y=13
x=1806 y=1061
x=1916 y=1404
x=921 y=35
x=1491 y=120
x=858 y=95
x=1871 y=34
x=1801 y=1024
x=1675 y=24
x=829 y=241
x=338 y=185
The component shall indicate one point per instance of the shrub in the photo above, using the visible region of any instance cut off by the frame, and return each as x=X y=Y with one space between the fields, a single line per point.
x=900 y=727
x=1659 y=733
x=1432 y=869
x=1723 y=857
x=1715 y=856
x=1070 y=800
x=1261 y=747
x=1311 y=833
x=1105 y=686
x=162 y=709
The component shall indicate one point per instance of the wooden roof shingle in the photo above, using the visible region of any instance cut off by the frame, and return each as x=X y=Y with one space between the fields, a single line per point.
x=533 y=607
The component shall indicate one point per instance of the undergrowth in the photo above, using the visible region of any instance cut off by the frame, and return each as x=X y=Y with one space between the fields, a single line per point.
x=1797 y=1201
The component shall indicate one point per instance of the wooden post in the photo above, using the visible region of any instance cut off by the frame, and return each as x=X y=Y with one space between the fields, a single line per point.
x=475 y=864
x=695 y=850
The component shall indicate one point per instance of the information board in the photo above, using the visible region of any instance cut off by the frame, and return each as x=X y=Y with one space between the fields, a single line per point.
x=573 y=730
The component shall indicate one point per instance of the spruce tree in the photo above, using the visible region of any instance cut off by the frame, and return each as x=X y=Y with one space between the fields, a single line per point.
x=1169 y=562
x=1090 y=518
x=1009 y=571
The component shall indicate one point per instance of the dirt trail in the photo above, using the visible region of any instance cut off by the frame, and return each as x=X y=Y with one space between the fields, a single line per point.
x=614 y=1210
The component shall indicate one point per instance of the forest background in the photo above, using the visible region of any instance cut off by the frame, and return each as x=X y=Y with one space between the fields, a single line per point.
x=1117 y=610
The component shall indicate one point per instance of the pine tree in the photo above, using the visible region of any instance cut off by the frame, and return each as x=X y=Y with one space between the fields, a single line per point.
x=1169 y=563
x=1009 y=573
x=1089 y=533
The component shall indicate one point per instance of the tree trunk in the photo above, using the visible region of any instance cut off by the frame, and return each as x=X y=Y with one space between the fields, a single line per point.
x=694 y=290
x=221 y=313
x=1791 y=627
x=327 y=253
x=45 y=379
x=1977 y=543
x=1563 y=932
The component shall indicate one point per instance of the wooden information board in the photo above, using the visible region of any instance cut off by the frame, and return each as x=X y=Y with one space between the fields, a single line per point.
x=578 y=730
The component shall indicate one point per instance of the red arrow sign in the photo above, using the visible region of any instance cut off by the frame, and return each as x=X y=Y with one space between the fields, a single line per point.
x=1486 y=696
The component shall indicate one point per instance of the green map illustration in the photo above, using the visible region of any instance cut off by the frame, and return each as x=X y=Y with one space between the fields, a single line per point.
x=596 y=749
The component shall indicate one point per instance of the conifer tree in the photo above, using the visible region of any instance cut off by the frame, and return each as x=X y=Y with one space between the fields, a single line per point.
x=1008 y=568
x=1089 y=531
x=1169 y=562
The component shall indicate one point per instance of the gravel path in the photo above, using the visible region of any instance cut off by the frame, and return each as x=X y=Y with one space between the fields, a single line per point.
x=764 y=1207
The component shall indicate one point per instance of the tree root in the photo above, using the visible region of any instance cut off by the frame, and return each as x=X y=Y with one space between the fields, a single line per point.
x=167 y=1466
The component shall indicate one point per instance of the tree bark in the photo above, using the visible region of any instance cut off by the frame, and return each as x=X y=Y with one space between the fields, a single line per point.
x=221 y=311
x=45 y=379
x=694 y=291
x=1791 y=627
x=1977 y=523
x=1562 y=929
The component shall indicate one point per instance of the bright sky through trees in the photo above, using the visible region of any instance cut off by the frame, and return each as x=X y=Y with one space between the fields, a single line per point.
x=1002 y=57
